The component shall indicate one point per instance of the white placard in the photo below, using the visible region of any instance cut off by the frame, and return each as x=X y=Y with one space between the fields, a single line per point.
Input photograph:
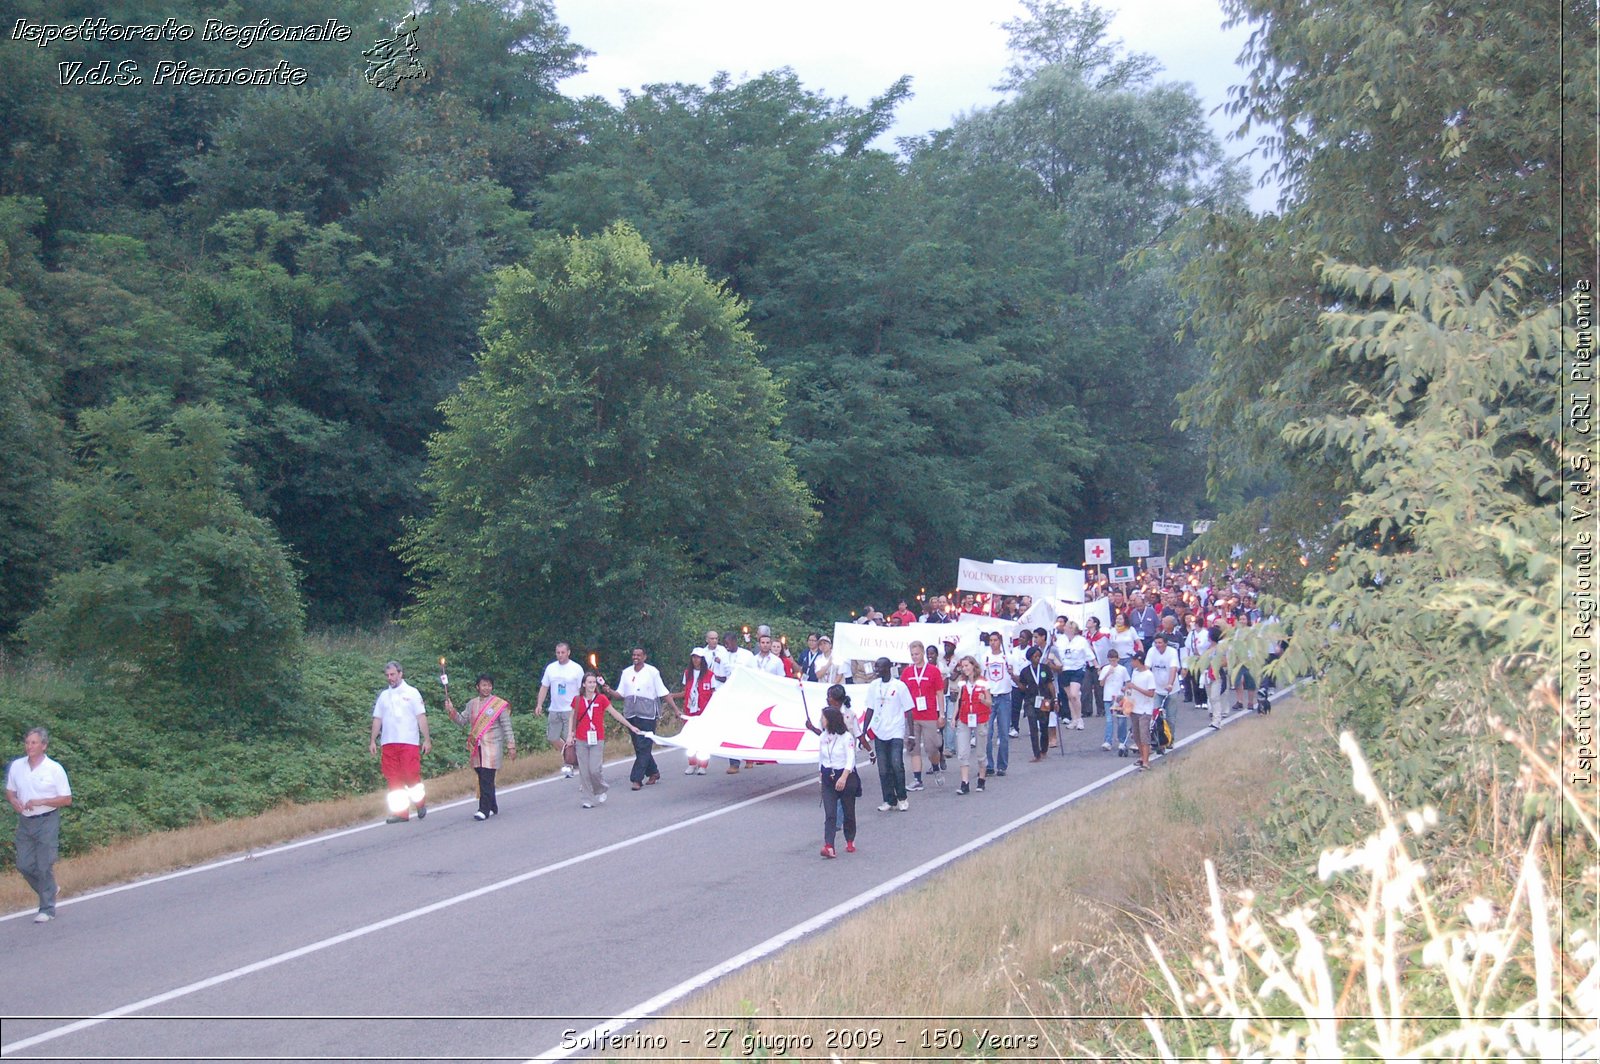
x=1201 y=527
x=1166 y=528
x=1157 y=564
x=1138 y=548
x=1097 y=552
x=1069 y=585
x=1122 y=574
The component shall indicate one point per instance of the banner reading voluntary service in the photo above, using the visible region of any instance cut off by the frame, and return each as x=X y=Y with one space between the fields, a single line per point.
x=1007 y=578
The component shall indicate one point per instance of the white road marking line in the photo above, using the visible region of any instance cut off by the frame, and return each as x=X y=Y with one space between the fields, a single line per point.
x=367 y=929
x=253 y=855
x=646 y=1009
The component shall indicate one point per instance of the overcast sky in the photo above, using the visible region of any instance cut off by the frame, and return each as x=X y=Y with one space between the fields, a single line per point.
x=954 y=50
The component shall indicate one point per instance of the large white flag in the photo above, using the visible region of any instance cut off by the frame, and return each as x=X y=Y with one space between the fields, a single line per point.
x=756 y=716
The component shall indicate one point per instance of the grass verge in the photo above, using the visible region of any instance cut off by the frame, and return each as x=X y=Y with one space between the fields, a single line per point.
x=1044 y=930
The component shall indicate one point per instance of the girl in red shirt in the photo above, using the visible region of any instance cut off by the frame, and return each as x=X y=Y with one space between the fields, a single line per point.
x=587 y=729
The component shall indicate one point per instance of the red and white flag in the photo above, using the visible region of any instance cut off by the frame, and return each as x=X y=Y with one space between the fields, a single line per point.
x=1097 y=552
x=756 y=716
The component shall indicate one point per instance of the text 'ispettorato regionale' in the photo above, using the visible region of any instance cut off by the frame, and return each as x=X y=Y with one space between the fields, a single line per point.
x=173 y=71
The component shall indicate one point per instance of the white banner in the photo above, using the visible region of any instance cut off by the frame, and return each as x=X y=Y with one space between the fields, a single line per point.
x=1069 y=583
x=1138 y=548
x=1006 y=578
x=1043 y=614
x=869 y=642
x=756 y=716
x=1097 y=552
x=1166 y=528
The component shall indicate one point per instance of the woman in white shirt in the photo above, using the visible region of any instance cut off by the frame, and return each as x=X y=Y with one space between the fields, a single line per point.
x=836 y=760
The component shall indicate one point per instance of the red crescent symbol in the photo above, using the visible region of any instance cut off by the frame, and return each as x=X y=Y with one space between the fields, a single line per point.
x=778 y=738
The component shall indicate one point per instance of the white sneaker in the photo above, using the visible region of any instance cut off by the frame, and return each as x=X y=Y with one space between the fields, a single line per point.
x=1079 y=725
x=43 y=918
x=480 y=815
x=903 y=806
x=885 y=807
x=588 y=805
x=566 y=772
x=602 y=799
x=689 y=771
x=701 y=771
x=1105 y=746
x=1014 y=733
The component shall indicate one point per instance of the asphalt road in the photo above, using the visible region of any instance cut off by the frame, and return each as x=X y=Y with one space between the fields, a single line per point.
x=453 y=939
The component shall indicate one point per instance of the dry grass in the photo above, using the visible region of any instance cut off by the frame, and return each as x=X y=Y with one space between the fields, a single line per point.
x=1049 y=921
x=166 y=851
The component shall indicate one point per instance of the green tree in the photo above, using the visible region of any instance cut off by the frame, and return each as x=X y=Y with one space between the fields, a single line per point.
x=168 y=584
x=30 y=433
x=1405 y=134
x=614 y=453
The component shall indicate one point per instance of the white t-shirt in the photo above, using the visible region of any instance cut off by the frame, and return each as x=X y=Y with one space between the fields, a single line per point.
x=721 y=664
x=1113 y=678
x=1075 y=651
x=564 y=683
x=1164 y=664
x=399 y=707
x=770 y=663
x=890 y=700
x=995 y=673
x=1144 y=704
x=47 y=780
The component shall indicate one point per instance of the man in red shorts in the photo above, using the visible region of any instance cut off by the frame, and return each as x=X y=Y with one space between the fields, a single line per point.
x=401 y=720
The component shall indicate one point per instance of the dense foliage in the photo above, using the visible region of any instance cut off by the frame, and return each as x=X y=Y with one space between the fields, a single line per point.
x=617 y=436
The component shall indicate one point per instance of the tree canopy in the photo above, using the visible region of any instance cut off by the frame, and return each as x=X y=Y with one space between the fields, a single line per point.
x=612 y=456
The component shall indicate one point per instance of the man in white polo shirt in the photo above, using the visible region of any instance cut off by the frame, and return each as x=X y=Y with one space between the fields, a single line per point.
x=888 y=703
x=562 y=679
x=401 y=720
x=36 y=787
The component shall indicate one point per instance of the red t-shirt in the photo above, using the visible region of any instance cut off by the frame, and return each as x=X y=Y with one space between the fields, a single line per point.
x=590 y=717
x=905 y=616
x=927 y=690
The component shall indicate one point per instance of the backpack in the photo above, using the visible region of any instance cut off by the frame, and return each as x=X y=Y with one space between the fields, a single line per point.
x=1160 y=730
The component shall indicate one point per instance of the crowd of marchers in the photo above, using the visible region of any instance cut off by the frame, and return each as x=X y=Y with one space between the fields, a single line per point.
x=944 y=712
